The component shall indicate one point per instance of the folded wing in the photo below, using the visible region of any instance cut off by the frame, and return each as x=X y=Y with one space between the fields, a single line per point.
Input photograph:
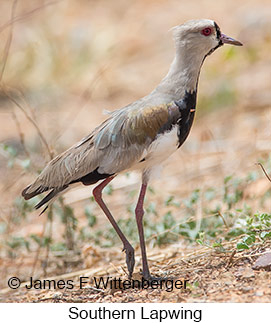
x=114 y=146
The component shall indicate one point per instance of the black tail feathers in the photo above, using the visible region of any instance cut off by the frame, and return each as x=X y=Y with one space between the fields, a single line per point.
x=54 y=192
x=38 y=191
x=50 y=196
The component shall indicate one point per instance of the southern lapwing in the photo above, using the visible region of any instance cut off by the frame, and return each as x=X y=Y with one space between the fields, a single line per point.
x=139 y=136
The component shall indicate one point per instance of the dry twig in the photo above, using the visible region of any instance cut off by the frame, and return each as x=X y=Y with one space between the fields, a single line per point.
x=26 y=15
x=223 y=219
x=20 y=132
x=42 y=137
x=9 y=40
x=265 y=172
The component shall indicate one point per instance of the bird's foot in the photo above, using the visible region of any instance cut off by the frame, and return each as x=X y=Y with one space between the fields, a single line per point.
x=130 y=258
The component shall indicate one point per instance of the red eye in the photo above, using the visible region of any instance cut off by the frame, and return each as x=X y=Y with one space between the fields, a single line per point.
x=206 y=31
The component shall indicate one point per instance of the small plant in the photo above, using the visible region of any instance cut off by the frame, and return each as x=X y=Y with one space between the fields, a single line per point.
x=224 y=218
x=257 y=228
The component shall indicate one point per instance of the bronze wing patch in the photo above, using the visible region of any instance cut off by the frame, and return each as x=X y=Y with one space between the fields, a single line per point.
x=135 y=126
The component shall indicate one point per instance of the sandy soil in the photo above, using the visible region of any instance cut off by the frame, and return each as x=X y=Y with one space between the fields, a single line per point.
x=129 y=51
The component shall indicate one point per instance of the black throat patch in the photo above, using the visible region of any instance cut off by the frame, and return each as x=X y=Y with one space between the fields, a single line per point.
x=218 y=36
x=187 y=108
x=218 y=32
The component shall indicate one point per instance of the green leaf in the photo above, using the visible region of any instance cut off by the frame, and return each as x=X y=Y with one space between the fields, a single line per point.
x=227 y=179
x=265 y=234
x=249 y=239
x=242 y=246
x=92 y=220
x=169 y=200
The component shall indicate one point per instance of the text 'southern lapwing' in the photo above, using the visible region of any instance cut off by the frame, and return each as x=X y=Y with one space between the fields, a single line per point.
x=139 y=136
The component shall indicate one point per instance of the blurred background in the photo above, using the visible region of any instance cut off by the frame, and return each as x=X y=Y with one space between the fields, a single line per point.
x=64 y=62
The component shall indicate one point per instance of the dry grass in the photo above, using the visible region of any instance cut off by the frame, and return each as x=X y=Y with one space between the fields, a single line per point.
x=63 y=63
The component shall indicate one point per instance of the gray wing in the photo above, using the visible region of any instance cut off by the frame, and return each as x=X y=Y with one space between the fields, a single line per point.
x=114 y=146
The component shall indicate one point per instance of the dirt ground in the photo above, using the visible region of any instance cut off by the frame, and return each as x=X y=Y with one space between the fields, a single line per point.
x=66 y=90
x=211 y=278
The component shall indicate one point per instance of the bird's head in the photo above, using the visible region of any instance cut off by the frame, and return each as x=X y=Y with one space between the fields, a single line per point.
x=201 y=37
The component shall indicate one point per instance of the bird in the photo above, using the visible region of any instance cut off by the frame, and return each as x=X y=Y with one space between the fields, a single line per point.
x=139 y=136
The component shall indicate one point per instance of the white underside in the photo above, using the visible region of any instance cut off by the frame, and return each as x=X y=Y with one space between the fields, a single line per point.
x=160 y=149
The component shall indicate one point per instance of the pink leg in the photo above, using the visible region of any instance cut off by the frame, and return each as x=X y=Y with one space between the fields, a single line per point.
x=139 y=211
x=129 y=250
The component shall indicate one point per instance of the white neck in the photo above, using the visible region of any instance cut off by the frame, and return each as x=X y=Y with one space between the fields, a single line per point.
x=183 y=73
